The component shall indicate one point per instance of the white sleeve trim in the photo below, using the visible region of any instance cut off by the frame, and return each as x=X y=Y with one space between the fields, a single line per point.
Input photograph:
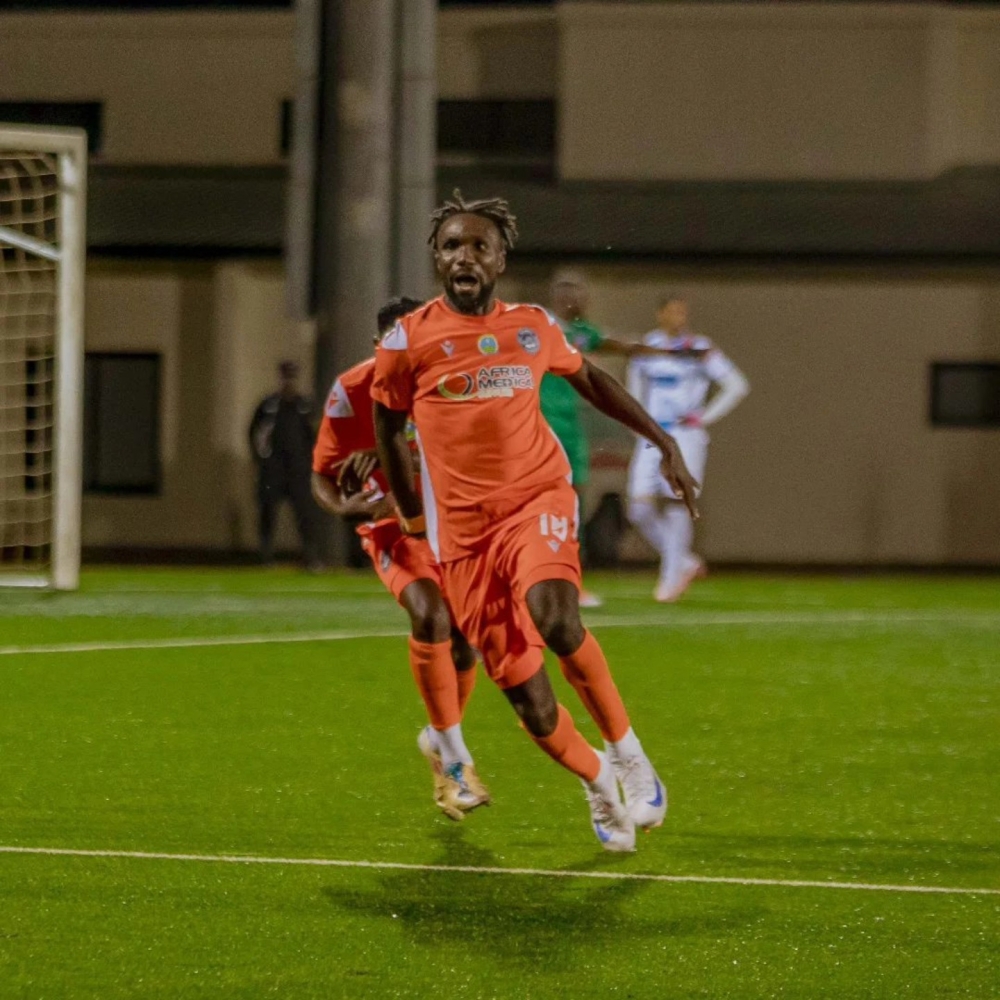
x=395 y=339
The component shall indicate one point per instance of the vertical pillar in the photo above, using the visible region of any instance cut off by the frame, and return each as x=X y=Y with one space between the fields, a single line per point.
x=416 y=147
x=353 y=183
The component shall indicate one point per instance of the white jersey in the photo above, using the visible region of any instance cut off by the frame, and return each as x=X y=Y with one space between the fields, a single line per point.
x=672 y=386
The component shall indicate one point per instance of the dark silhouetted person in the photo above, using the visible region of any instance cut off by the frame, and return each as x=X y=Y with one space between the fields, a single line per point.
x=281 y=439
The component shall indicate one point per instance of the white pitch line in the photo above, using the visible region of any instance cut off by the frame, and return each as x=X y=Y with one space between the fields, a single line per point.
x=679 y=622
x=216 y=640
x=238 y=859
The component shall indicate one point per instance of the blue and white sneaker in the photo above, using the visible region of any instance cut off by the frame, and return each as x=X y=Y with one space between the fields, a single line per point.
x=612 y=824
x=645 y=794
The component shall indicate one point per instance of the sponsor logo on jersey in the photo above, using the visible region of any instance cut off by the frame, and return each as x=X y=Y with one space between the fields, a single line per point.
x=448 y=347
x=500 y=381
x=488 y=344
x=528 y=339
x=385 y=560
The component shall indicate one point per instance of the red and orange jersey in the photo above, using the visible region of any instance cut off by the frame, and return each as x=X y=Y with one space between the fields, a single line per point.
x=471 y=383
x=347 y=424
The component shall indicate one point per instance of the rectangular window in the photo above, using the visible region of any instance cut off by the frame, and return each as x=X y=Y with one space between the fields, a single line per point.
x=79 y=114
x=121 y=423
x=965 y=394
x=477 y=133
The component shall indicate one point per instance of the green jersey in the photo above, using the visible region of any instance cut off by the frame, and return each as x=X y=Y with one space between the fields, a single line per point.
x=561 y=404
x=559 y=400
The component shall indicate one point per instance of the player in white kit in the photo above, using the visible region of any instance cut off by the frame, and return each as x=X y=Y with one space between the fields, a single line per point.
x=685 y=391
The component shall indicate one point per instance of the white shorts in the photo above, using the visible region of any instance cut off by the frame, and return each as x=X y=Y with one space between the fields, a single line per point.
x=644 y=479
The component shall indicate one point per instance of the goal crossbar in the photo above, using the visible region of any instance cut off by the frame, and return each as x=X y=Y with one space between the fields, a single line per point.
x=68 y=253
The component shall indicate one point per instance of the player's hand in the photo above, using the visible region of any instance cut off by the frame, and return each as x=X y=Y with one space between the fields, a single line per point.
x=675 y=472
x=371 y=504
x=355 y=471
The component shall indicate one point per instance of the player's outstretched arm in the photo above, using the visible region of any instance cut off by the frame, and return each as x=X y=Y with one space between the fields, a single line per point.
x=396 y=460
x=607 y=395
x=627 y=348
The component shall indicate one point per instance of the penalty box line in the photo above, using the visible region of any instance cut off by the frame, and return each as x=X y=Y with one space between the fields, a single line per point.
x=237 y=859
x=680 y=622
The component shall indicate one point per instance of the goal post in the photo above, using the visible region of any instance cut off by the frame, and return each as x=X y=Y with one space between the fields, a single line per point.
x=43 y=186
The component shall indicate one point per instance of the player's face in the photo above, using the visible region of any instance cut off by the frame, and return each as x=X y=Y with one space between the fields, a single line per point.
x=673 y=316
x=569 y=301
x=469 y=257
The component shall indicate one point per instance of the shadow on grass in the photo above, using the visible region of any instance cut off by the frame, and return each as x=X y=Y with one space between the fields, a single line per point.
x=530 y=920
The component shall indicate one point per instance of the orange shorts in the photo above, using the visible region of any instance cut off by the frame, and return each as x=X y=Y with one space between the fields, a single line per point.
x=487 y=588
x=398 y=559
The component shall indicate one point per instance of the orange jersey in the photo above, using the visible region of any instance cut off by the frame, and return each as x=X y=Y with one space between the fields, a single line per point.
x=471 y=383
x=347 y=425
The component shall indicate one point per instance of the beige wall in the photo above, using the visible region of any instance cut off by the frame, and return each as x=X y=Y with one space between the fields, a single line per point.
x=645 y=91
x=830 y=459
x=498 y=53
x=184 y=88
x=206 y=87
x=776 y=91
x=220 y=331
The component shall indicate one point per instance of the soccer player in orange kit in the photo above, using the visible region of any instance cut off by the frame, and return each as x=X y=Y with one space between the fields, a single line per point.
x=497 y=505
x=442 y=661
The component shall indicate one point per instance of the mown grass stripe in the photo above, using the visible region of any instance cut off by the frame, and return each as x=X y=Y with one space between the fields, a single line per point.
x=970 y=620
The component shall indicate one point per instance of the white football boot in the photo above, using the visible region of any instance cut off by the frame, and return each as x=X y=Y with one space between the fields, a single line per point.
x=612 y=824
x=645 y=794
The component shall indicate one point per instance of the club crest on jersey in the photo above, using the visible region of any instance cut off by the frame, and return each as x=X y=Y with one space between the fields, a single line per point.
x=448 y=347
x=500 y=381
x=528 y=339
x=488 y=344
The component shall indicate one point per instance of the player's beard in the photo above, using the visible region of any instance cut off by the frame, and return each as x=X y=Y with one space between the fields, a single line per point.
x=471 y=305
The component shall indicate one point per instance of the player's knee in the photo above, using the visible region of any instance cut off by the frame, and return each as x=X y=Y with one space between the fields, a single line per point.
x=640 y=509
x=554 y=609
x=430 y=625
x=539 y=711
x=429 y=618
x=565 y=635
x=541 y=719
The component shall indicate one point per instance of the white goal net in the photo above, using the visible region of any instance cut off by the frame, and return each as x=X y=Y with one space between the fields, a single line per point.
x=42 y=249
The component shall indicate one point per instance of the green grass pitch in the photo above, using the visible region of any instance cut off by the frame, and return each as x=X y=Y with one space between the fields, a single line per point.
x=809 y=730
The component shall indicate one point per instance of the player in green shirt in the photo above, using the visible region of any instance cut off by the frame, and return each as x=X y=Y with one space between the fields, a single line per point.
x=568 y=298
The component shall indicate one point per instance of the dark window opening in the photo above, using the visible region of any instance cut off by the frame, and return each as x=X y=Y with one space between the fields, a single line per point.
x=78 y=114
x=965 y=394
x=285 y=129
x=497 y=133
x=121 y=423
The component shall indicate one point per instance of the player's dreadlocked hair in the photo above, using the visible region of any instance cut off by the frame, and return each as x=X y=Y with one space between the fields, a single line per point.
x=495 y=209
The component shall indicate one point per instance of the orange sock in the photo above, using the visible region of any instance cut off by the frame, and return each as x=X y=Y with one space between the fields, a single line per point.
x=466 y=682
x=587 y=670
x=434 y=673
x=566 y=746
